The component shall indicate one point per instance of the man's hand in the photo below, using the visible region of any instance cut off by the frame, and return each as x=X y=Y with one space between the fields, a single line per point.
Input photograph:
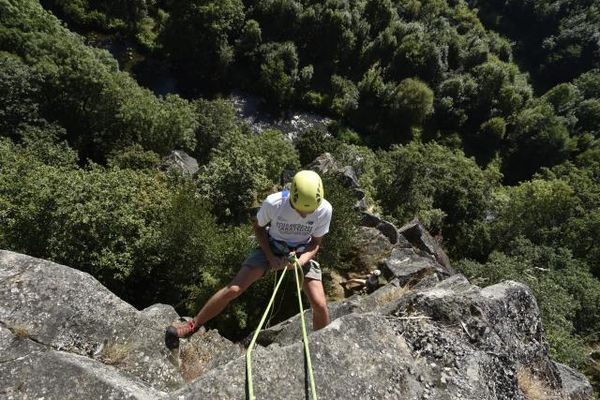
x=277 y=263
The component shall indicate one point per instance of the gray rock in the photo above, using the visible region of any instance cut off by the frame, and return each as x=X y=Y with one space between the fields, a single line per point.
x=463 y=342
x=70 y=311
x=58 y=375
x=386 y=228
x=418 y=236
x=372 y=248
x=575 y=385
x=63 y=335
x=30 y=370
x=160 y=314
x=410 y=268
x=181 y=161
x=327 y=164
x=204 y=351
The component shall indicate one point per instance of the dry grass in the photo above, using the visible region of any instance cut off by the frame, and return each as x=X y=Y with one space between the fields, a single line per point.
x=192 y=364
x=533 y=388
x=21 y=331
x=114 y=353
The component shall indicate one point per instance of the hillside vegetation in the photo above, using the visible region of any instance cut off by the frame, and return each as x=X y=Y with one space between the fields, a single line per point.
x=428 y=105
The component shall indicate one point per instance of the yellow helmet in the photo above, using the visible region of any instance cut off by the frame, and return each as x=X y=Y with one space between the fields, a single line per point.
x=307 y=191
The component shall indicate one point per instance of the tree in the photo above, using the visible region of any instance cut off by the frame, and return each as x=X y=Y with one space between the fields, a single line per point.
x=216 y=119
x=538 y=138
x=443 y=188
x=19 y=89
x=312 y=144
x=344 y=96
x=279 y=72
x=200 y=36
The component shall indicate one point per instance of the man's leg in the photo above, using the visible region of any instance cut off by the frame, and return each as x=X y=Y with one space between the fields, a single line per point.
x=316 y=295
x=244 y=278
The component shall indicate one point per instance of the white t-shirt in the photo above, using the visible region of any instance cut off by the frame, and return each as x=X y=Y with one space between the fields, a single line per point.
x=288 y=225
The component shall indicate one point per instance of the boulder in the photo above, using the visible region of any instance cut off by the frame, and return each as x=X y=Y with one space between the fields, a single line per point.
x=372 y=248
x=575 y=385
x=424 y=335
x=386 y=228
x=418 y=236
x=69 y=311
x=182 y=162
x=452 y=341
x=411 y=268
x=30 y=370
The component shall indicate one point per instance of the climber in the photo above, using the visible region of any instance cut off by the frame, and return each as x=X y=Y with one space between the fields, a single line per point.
x=288 y=221
x=370 y=283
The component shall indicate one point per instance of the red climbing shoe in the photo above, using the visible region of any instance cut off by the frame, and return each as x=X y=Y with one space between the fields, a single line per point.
x=176 y=331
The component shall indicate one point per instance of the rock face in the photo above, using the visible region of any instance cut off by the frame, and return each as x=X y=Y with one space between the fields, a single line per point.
x=427 y=334
x=65 y=316
x=326 y=163
x=182 y=162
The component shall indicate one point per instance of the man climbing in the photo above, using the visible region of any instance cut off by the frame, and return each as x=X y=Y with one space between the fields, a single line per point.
x=288 y=221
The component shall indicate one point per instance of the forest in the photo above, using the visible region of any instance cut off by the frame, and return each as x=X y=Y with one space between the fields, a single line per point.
x=481 y=119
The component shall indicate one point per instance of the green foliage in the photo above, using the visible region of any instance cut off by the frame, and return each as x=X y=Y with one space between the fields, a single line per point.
x=278 y=152
x=335 y=253
x=103 y=14
x=491 y=134
x=199 y=36
x=133 y=157
x=94 y=219
x=536 y=209
x=409 y=103
x=146 y=237
x=428 y=181
x=554 y=41
x=344 y=96
x=19 y=89
x=278 y=72
x=312 y=144
x=81 y=90
x=538 y=139
x=216 y=119
x=242 y=169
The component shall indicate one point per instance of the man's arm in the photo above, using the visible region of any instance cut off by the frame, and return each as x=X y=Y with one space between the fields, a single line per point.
x=262 y=237
x=310 y=252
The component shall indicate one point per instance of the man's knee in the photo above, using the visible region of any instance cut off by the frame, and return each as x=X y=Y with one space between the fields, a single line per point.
x=232 y=291
x=319 y=306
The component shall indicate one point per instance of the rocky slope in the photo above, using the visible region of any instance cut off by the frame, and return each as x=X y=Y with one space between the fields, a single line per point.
x=425 y=335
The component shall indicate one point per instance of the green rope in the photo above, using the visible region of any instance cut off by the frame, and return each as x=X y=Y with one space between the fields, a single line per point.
x=297 y=266
x=311 y=378
x=253 y=342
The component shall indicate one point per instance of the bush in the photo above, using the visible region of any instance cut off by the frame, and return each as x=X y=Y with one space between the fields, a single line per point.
x=337 y=246
x=312 y=144
x=429 y=181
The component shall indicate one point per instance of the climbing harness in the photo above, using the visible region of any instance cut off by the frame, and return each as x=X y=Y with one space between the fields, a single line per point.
x=294 y=260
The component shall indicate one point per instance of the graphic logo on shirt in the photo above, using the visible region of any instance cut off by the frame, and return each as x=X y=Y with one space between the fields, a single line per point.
x=294 y=229
x=310 y=222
